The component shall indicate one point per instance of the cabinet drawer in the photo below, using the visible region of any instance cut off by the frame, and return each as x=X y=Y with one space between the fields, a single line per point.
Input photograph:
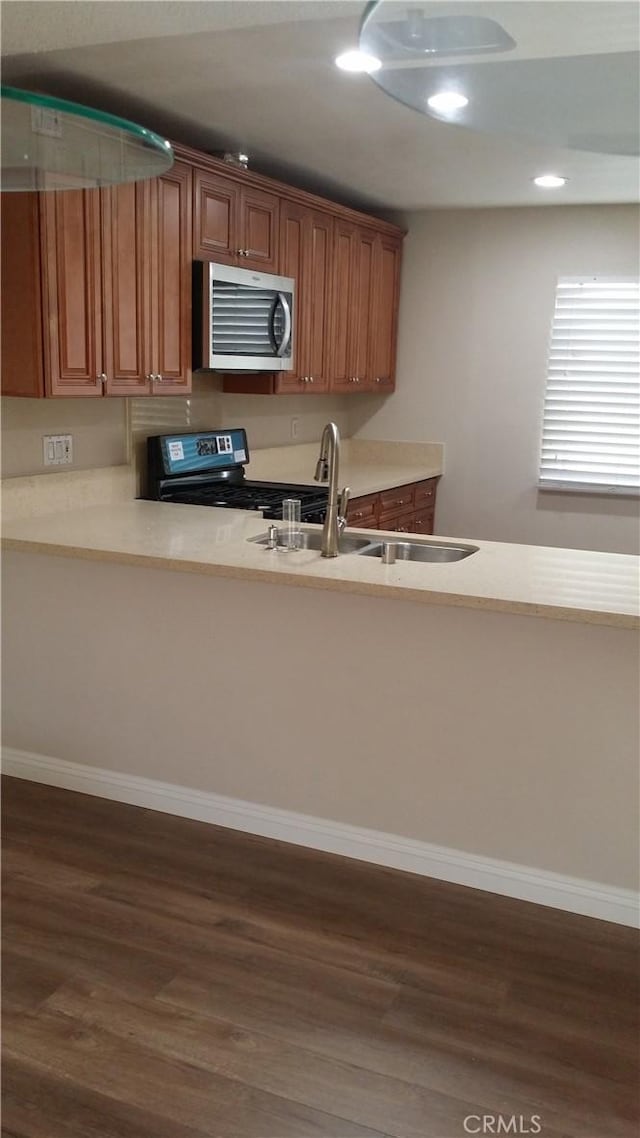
x=422 y=521
x=363 y=512
x=425 y=493
x=398 y=523
x=396 y=500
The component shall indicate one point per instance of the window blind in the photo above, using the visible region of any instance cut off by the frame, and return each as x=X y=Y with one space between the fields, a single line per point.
x=591 y=427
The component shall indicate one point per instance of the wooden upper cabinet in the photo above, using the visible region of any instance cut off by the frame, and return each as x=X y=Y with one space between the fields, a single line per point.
x=292 y=240
x=71 y=255
x=258 y=231
x=216 y=203
x=234 y=224
x=362 y=327
x=306 y=247
x=317 y=283
x=342 y=303
x=97 y=284
x=353 y=288
x=113 y=270
x=21 y=349
x=384 y=321
x=126 y=288
x=171 y=344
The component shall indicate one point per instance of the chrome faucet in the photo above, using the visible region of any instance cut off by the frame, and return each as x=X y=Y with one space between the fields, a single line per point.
x=327 y=468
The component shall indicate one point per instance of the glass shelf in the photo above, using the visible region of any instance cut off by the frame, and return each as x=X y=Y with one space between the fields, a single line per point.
x=549 y=73
x=52 y=144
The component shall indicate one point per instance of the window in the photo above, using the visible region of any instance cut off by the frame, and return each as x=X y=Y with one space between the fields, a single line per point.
x=591 y=428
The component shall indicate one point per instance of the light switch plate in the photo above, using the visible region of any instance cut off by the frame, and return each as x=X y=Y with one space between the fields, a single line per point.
x=57 y=450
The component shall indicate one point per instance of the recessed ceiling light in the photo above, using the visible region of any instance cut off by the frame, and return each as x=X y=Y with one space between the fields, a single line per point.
x=549 y=181
x=358 y=61
x=447 y=101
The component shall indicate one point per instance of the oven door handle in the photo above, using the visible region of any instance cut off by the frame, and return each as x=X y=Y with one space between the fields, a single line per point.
x=286 y=336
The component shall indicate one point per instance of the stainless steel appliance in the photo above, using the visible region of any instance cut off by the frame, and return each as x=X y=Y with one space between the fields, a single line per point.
x=243 y=319
x=206 y=468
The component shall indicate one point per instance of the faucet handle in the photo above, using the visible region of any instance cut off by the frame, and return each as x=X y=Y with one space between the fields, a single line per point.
x=343 y=502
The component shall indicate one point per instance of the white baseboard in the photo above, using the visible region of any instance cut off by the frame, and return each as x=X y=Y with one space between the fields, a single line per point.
x=571 y=894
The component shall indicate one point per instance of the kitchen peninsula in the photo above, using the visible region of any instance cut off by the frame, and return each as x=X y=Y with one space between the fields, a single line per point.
x=423 y=716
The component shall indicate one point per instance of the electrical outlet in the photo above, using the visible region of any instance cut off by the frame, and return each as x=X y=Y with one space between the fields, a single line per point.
x=57 y=450
x=295 y=426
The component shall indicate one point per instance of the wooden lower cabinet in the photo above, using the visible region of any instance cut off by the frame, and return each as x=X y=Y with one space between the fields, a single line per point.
x=403 y=509
x=363 y=513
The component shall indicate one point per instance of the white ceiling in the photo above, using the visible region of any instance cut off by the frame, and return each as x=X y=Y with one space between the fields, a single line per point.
x=258 y=75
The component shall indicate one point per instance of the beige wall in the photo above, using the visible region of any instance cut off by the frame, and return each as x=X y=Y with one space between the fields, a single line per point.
x=476 y=307
x=504 y=736
x=99 y=426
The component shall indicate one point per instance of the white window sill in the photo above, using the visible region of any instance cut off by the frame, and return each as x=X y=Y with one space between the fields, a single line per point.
x=592 y=488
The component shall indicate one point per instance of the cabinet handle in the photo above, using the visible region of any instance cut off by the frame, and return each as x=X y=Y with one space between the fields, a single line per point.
x=101 y=378
x=310 y=379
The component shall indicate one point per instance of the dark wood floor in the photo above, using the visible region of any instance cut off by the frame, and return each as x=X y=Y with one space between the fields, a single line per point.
x=168 y=979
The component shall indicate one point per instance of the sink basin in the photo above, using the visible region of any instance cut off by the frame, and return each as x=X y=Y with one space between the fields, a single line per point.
x=312 y=539
x=422 y=551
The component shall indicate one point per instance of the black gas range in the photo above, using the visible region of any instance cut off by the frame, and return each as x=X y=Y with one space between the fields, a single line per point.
x=206 y=468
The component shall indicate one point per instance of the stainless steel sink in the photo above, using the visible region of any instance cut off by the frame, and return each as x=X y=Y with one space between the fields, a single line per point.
x=421 y=551
x=312 y=539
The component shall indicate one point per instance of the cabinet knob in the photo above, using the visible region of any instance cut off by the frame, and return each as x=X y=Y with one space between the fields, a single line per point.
x=101 y=378
x=310 y=379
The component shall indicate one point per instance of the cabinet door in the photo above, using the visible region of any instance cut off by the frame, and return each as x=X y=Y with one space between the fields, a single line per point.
x=385 y=312
x=72 y=292
x=318 y=255
x=21 y=324
x=292 y=241
x=342 y=374
x=216 y=218
x=259 y=218
x=423 y=520
x=171 y=345
x=126 y=278
x=362 y=310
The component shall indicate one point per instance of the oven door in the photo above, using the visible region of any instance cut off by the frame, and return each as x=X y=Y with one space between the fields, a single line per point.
x=248 y=321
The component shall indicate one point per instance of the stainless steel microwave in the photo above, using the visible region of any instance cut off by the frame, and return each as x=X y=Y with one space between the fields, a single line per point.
x=246 y=319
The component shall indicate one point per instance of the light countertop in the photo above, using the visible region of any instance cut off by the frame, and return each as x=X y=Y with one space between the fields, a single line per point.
x=366 y=466
x=563 y=584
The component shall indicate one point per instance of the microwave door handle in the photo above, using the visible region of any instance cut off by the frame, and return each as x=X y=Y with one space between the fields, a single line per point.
x=286 y=337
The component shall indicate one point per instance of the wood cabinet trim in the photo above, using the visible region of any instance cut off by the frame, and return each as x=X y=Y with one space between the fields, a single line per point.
x=237 y=174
